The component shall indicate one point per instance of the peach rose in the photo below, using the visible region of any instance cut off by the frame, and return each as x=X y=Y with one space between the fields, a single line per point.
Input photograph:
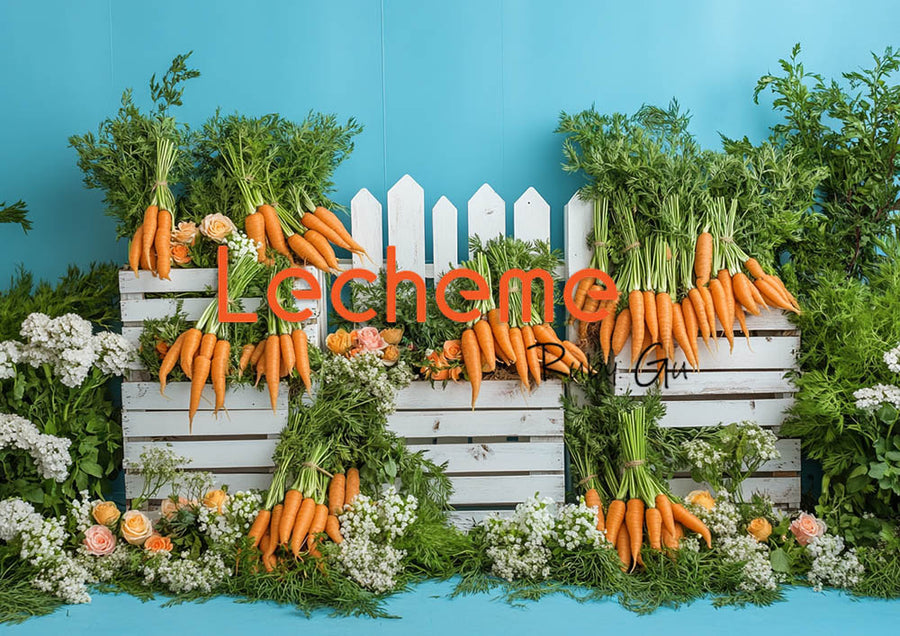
x=370 y=340
x=455 y=372
x=390 y=355
x=339 y=342
x=701 y=498
x=185 y=233
x=136 y=527
x=99 y=540
x=216 y=499
x=392 y=336
x=168 y=508
x=158 y=543
x=452 y=350
x=105 y=512
x=217 y=227
x=760 y=529
x=181 y=255
x=806 y=526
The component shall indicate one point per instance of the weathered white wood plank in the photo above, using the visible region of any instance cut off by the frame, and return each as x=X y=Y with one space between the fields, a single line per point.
x=579 y=225
x=182 y=280
x=145 y=396
x=232 y=422
x=467 y=519
x=406 y=224
x=487 y=214
x=782 y=490
x=710 y=383
x=366 y=219
x=531 y=217
x=763 y=352
x=437 y=424
x=154 y=308
x=495 y=394
x=775 y=320
x=134 y=483
x=506 y=490
x=496 y=458
x=444 y=237
x=685 y=413
x=251 y=453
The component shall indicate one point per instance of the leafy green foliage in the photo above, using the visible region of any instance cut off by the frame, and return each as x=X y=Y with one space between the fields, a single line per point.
x=19 y=600
x=15 y=213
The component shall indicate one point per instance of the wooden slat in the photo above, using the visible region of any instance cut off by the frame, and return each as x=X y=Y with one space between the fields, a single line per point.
x=687 y=413
x=506 y=490
x=496 y=458
x=782 y=490
x=134 y=482
x=711 y=383
x=251 y=453
x=436 y=424
x=495 y=394
x=775 y=320
x=155 y=308
x=467 y=519
x=579 y=224
x=366 y=219
x=145 y=396
x=487 y=214
x=531 y=217
x=182 y=280
x=444 y=237
x=232 y=422
x=406 y=224
x=789 y=460
x=763 y=352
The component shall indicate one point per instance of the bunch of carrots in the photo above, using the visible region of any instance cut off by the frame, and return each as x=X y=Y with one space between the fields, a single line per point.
x=642 y=507
x=293 y=520
x=151 y=247
x=517 y=344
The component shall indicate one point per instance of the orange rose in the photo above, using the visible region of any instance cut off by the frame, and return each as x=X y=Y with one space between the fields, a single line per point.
x=390 y=355
x=455 y=373
x=217 y=227
x=440 y=376
x=105 y=512
x=701 y=498
x=392 y=336
x=216 y=499
x=760 y=529
x=185 y=233
x=452 y=350
x=339 y=342
x=181 y=255
x=158 y=543
x=136 y=527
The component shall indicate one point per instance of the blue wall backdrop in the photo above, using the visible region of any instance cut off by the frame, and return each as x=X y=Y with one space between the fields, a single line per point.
x=454 y=93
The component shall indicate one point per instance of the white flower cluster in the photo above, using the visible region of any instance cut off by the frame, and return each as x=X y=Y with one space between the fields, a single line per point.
x=42 y=546
x=67 y=344
x=81 y=510
x=241 y=246
x=50 y=453
x=892 y=359
x=234 y=522
x=701 y=454
x=831 y=565
x=759 y=441
x=520 y=546
x=181 y=574
x=869 y=399
x=724 y=519
x=757 y=570
x=105 y=569
x=369 y=527
x=366 y=372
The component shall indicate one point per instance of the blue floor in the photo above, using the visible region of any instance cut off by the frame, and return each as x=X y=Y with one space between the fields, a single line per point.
x=427 y=611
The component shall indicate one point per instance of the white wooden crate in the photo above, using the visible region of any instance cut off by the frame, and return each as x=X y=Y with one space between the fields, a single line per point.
x=508 y=449
x=236 y=447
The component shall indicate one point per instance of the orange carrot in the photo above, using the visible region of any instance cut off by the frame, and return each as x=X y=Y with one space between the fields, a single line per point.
x=651 y=316
x=654 y=528
x=779 y=284
x=258 y=352
x=246 y=353
x=709 y=309
x=581 y=292
x=259 y=527
x=634 y=521
x=260 y=368
x=471 y=356
x=636 y=307
x=724 y=277
x=333 y=529
x=485 y=337
x=335 y=223
x=531 y=353
x=315 y=528
x=579 y=355
x=149 y=234
x=664 y=315
x=739 y=314
x=515 y=336
x=134 y=250
x=592 y=500
x=288 y=357
x=501 y=333
x=292 y=500
x=168 y=362
x=320 y=243
x=703 y=253
x=743 y=294
x=557 y=365
x=198 y=381
x=336 y=491
x=302 y=524
x=274 y=233
x=352 y=486
x=772 y=294
x=758 y=297
x=668 y=539
x=163 y=243
x=681 y=336
x=664 y=505
x=312 y=222
x=722 y=308
x=754 y=268
x=699 y=305
x=218 y=371
x=273 y=364
x=691 y=522
x=301 y=358
x=255 y=226
x=607 y=326
x=615 y=515
x=207 y=345
x=305 y=250
x=690 y=326
x=274 y=529
x=591 y=305
x=621 y=332
x=623 y=547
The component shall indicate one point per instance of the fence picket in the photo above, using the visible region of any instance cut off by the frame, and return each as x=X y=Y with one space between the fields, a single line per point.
x=406 y=224
x=444 y=237
x=579 y=223
x=365 y=215
x=487 y=214
x=531 y=217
